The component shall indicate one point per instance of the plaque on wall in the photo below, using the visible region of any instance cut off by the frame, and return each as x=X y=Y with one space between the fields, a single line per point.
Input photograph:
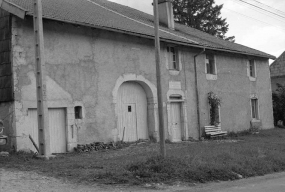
x=175 y=85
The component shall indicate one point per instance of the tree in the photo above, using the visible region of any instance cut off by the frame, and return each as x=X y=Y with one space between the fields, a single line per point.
x=278 y=98
x=203 y=15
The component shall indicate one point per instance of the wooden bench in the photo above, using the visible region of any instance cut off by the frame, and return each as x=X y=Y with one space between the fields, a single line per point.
x=212 y=131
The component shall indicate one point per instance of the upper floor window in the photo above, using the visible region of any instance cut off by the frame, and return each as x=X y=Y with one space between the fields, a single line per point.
x=254 y=108
x=210 y=64
x=173 y=58
x=252 y=72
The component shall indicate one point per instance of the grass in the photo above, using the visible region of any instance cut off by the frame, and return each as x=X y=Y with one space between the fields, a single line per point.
x=241 y=155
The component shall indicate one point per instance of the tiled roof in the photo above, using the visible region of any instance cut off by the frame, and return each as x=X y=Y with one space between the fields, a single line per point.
x=277 y=68
x=112 y=16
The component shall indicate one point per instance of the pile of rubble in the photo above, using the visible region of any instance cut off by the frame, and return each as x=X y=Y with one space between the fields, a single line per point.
x=99 y=146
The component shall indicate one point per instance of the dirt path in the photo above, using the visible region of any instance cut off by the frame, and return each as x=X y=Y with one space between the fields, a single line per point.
x=19 y=181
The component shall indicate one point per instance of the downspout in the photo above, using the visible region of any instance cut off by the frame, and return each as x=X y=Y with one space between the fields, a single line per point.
x=197 y=92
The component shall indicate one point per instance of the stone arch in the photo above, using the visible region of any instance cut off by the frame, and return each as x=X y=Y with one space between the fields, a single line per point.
x=151 y=93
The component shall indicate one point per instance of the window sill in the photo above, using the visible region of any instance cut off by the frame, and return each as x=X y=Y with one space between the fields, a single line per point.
x=174 y=72
x=211 y=77
x=252 y=78
x=255 y=120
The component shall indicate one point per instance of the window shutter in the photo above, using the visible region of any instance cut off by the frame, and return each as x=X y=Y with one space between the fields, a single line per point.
x=179 y=60
x=207 y=67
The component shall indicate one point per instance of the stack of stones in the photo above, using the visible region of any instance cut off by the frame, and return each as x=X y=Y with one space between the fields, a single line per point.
x=98 y=146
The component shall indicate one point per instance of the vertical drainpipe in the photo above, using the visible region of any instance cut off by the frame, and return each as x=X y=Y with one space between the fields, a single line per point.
x=197 y=92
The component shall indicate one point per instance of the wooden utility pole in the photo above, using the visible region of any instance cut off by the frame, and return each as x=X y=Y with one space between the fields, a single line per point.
x=43 y=126
x=158 y=79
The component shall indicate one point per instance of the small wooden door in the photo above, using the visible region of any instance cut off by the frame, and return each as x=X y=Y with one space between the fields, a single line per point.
x=175 y=121
x=57 y=127
x=130 y=122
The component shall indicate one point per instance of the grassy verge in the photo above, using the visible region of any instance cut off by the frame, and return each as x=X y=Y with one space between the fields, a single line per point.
x=233 y=158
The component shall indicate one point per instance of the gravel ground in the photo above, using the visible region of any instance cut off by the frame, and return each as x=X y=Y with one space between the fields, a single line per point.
x=20 y=181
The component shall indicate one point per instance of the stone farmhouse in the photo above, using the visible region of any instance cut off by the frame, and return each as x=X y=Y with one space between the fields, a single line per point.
x=101 y=75
x=277 y=72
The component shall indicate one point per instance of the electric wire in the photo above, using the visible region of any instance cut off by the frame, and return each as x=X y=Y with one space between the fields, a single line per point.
x=281 y=12
x=280 y=27
x=256 y=6
x=260 y=11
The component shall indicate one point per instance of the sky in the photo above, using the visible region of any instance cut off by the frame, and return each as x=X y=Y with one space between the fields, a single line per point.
x=250 y=26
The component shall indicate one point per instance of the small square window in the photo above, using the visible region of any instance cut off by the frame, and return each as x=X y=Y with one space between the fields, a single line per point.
x=210 y=64
x=173 y=59
x=254 y=108
x=78 y=112
x=252 y=68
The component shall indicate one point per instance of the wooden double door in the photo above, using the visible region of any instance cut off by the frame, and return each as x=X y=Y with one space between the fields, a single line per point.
x=57 y=127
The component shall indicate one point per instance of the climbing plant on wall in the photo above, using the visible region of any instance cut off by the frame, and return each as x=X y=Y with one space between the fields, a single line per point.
x=214 y=102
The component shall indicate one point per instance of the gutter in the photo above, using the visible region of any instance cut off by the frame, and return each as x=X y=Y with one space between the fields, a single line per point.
x=197 y=93
x=13 y=9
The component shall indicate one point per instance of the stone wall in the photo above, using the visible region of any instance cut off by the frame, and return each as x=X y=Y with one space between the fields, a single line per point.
x=86 y=66
x=6 y=92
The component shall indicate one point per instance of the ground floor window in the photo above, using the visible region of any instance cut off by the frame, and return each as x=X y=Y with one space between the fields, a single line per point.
x=254 y=108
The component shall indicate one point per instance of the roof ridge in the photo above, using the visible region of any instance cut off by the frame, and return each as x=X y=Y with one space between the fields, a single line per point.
x=140 y=21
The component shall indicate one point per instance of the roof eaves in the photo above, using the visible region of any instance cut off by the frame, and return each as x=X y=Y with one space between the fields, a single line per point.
x=21 y=12
x=13 y=9
x=162 y=39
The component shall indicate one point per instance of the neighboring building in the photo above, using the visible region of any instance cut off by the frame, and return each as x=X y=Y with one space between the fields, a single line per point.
x=277 y=72
x=101 y=80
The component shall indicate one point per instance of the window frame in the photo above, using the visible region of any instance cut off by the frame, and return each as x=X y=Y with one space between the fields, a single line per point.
x=252 y=68
x=214 y=66
x=173 y=58
x=254 y=105
x=78 y=114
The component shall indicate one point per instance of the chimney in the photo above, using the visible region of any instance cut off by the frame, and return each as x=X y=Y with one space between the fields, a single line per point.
x=165 y=10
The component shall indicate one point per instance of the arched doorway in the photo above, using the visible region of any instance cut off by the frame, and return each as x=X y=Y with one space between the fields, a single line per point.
x=150 y=93
x=132 y=112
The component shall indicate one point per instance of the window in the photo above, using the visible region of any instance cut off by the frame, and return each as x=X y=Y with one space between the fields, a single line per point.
x=252 y=68
x=78 y=112
x=173 y=60
x=254 y=108
x=210 y=64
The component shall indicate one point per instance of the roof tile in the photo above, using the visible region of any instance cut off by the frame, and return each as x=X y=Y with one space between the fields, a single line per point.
x=113 y=16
